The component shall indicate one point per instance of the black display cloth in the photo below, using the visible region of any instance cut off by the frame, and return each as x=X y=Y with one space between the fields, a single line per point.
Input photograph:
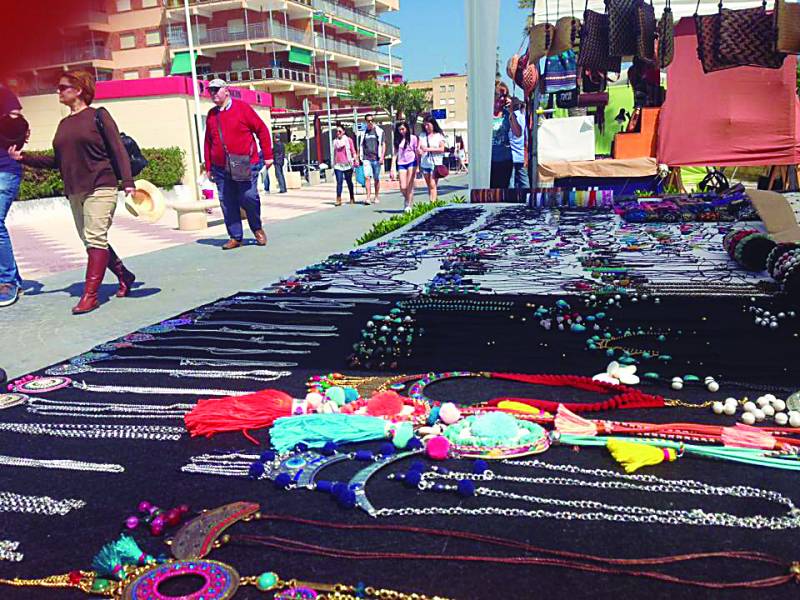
x=717 y=337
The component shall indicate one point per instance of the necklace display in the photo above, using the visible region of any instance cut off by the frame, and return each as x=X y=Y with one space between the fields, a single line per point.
x=146 y=337
x=64 y=464
x=253 y=374
x=106 y=410
x=113 y=347
x=41 y=385
x=184 y=361
x=95 y=431
x=40 y=505
x=8 y=551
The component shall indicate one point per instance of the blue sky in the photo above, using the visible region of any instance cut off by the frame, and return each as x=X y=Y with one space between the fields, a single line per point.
x=434 y=37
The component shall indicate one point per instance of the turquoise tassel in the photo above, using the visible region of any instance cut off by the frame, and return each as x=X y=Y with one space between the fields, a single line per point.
x=316 y=430
x=130 y=553
x=108 y=562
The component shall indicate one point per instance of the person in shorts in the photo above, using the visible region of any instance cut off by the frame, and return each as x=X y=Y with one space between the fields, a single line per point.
x=372 y=150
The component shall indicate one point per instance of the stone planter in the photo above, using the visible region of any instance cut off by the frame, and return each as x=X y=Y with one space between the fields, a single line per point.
x=293 y=180
x=313 y=178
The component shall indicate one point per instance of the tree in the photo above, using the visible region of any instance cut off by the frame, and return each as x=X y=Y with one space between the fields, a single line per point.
x=392 y=100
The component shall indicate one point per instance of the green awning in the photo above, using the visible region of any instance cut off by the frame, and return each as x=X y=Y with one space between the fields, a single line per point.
x=383 y=70
x=344 y=25
x=182 y=63
x=321 y=17
x=300 y=56
x=367 y=33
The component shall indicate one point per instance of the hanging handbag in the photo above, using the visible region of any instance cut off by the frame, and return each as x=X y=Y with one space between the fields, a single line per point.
x=747 y=38
x=622 y=27
x=666 y=37
x=645 y=31
x=707 y=27
x=593 y=81
x=237 y=166
x=787 y=23
x=561 y=72
x=567 y=99
x=566 y=34
x=541 y=38
x=593 y=51
x=530 y=78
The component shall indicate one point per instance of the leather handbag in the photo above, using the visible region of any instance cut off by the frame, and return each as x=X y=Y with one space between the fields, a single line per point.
x=441 y=171
x=593 y=81
x=593 y=51
x=645 y=31
x=665 y=32
x=787 y=23
x=622 y=27
x=747 y=38
x=237 y=166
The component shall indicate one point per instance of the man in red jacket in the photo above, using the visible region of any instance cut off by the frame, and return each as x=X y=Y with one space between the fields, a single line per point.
x=230 y=128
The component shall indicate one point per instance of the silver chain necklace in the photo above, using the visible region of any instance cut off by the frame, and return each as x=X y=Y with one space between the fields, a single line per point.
x=209 y=349
x=253 y=374
x=107 y=410
x=279 y=332
x=95 y=431
x=228 y=465
x=40 y=505
x=127 y=389
x=7 y=551
x=65 y=464
x=599 y=511
x=253 y=339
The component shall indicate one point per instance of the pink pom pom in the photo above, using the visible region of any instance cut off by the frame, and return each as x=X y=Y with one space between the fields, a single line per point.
x=438 y=448
x=385 y=404
x=449 y=413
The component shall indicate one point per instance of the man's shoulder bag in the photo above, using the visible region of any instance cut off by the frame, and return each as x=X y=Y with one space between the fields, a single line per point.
x=237 y=166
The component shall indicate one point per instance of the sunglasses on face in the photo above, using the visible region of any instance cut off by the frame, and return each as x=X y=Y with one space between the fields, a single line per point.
x=214 y=90
x=62 y=88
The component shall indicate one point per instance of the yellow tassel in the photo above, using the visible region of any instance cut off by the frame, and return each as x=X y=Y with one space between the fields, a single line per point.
x=521 y=407
x=633 y=455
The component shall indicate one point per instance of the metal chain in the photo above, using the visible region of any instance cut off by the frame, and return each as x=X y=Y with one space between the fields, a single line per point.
x=66 y=464
x=7 y=551
x=97 y=431
x=41 y=505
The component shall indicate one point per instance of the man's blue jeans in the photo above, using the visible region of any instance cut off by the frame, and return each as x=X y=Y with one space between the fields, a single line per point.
x=235 y=195
x=9 y=186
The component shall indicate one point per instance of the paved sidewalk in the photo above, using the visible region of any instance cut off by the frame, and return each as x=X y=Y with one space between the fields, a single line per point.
x=180 y=273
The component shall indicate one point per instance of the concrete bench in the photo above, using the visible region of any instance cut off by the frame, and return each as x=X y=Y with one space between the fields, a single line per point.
x=192 y=214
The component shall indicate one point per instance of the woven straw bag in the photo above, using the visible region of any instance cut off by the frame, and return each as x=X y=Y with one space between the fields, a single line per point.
x=593 y=52
x=541 y=38
x=565 y=36
x=645 y=31
x=666 y=37
x=622 y=27
x=787 y=23
x=707 y=32
x=747 y=38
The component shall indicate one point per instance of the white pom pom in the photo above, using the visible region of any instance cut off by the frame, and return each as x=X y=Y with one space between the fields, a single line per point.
x=717 y=407
x=781 y=418
x=748 y=418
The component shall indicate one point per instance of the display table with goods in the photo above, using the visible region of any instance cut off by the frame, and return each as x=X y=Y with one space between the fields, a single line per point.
x=494 y=398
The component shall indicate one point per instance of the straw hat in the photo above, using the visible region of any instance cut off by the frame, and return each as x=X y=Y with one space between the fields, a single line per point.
x=566 y=35
x=541 y=38
x=146 y=202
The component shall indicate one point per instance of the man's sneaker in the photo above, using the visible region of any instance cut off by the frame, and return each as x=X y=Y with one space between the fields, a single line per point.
x=9 y=293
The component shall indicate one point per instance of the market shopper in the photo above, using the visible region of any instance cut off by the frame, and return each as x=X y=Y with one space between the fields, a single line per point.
x=372 y=152
x=502 y=159
x=278 y=157
x=431 y=152
x=232 y=158
x=10 y=178
x=404 y=162
x=86 y=159
x=518 y=138
x=345 y=159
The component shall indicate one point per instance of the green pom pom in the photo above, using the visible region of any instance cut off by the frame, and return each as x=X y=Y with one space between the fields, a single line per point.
x=402 y=434
x=336 y=394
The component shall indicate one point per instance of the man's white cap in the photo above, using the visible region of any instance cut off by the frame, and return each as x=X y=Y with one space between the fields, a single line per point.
x=217 y=83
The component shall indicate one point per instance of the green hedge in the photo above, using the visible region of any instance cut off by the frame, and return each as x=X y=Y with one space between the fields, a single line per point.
x=381 y=228
x=166 y=169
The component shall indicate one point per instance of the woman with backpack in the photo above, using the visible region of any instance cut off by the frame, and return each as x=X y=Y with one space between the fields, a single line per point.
x=86 y=158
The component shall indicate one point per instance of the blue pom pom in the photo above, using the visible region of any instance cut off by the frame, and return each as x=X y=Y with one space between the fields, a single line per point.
x=256 y=470
x=418 y=466
x=414 y=444
x=329 y=448
x=350 y=395
x=301 y=447
x=283 y=480
x=412 y=479
x=466 y=488
x=267 y=456
x=387 y=449
x=433 y=416
x=480 y=466
x=323 y=485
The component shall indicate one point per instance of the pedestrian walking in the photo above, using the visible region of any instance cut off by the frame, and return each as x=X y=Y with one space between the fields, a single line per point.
x=404 y=162
x=279 y=158
x=518 y=138
x=89 y=161
x=461 y=155
x=431 y=152
x=345 y=159
x=10 y=178
x=232 y=158
x=372 y=152
x=502 y=160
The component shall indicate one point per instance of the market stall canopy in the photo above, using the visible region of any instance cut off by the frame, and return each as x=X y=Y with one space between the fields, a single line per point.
x=553 y=9
x=744 y=116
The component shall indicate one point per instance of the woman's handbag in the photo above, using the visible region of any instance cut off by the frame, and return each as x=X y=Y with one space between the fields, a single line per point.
x=622 y=27
x=787 y=23
x=666 y=37
x=707 y=27
x=645 y=31
x=747 y=38
x=440 y=171
x=360 y=179
x=541 y=38
x=593 y=52
x=561 y=72
x=565 y=36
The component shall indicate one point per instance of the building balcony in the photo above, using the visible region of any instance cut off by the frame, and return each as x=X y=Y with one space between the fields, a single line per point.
x=358 y=52
x=281 y=79
x=254 y=32
x=69 y=56
x=223 y=4
x=357 y=17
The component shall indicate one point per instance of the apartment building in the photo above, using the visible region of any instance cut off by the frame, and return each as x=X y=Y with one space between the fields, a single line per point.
x=447 y=92
x=279 y=46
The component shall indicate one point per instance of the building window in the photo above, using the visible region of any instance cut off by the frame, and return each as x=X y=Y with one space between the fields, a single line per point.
x=442 y=102
x=452 y=114
x=153 y=38
x=123 y=5
x=200 y=32
x=156 y=72
x=130 y=75
x=127 y=41
x=451 y=101
x=442 y=89
x=452 y=88
x=149 y=3
x=104 y=75
x=236 y=26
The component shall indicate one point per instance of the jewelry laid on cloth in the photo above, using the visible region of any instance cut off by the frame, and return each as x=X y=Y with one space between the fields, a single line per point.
x=289 y=327
x=40 y=385
x=114 y=346
x=92 y=357
x=107 y=410
x=253 y=374
x=66 y=464
x=597 y=511
x=8 y=551
x=40 y=505
x=132 y=338
x=9 y=400
x=294 y=307
x=95 y=431
x=316 y=300
x=281 y=332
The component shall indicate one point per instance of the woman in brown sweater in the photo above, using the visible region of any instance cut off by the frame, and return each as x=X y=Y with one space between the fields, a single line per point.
x=85 y=158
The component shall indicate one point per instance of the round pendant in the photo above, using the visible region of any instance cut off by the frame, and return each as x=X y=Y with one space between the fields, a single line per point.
x=220 y=581
x=42 y=385
x=89 y=357
x=66 y=369
x=10 y=399
x=793 y=401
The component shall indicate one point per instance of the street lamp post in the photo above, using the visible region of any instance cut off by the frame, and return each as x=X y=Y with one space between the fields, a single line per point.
x=327 y=89
x=195 y=88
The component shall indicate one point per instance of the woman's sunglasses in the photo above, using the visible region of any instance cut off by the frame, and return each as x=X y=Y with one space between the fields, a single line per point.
x=62 y=88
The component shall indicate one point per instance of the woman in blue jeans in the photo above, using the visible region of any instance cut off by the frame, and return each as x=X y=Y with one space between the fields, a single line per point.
x=10 y=178
x=344 y=160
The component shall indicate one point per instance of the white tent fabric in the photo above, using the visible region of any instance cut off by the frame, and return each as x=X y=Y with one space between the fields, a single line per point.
x=483 y=18
x=551 y=10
